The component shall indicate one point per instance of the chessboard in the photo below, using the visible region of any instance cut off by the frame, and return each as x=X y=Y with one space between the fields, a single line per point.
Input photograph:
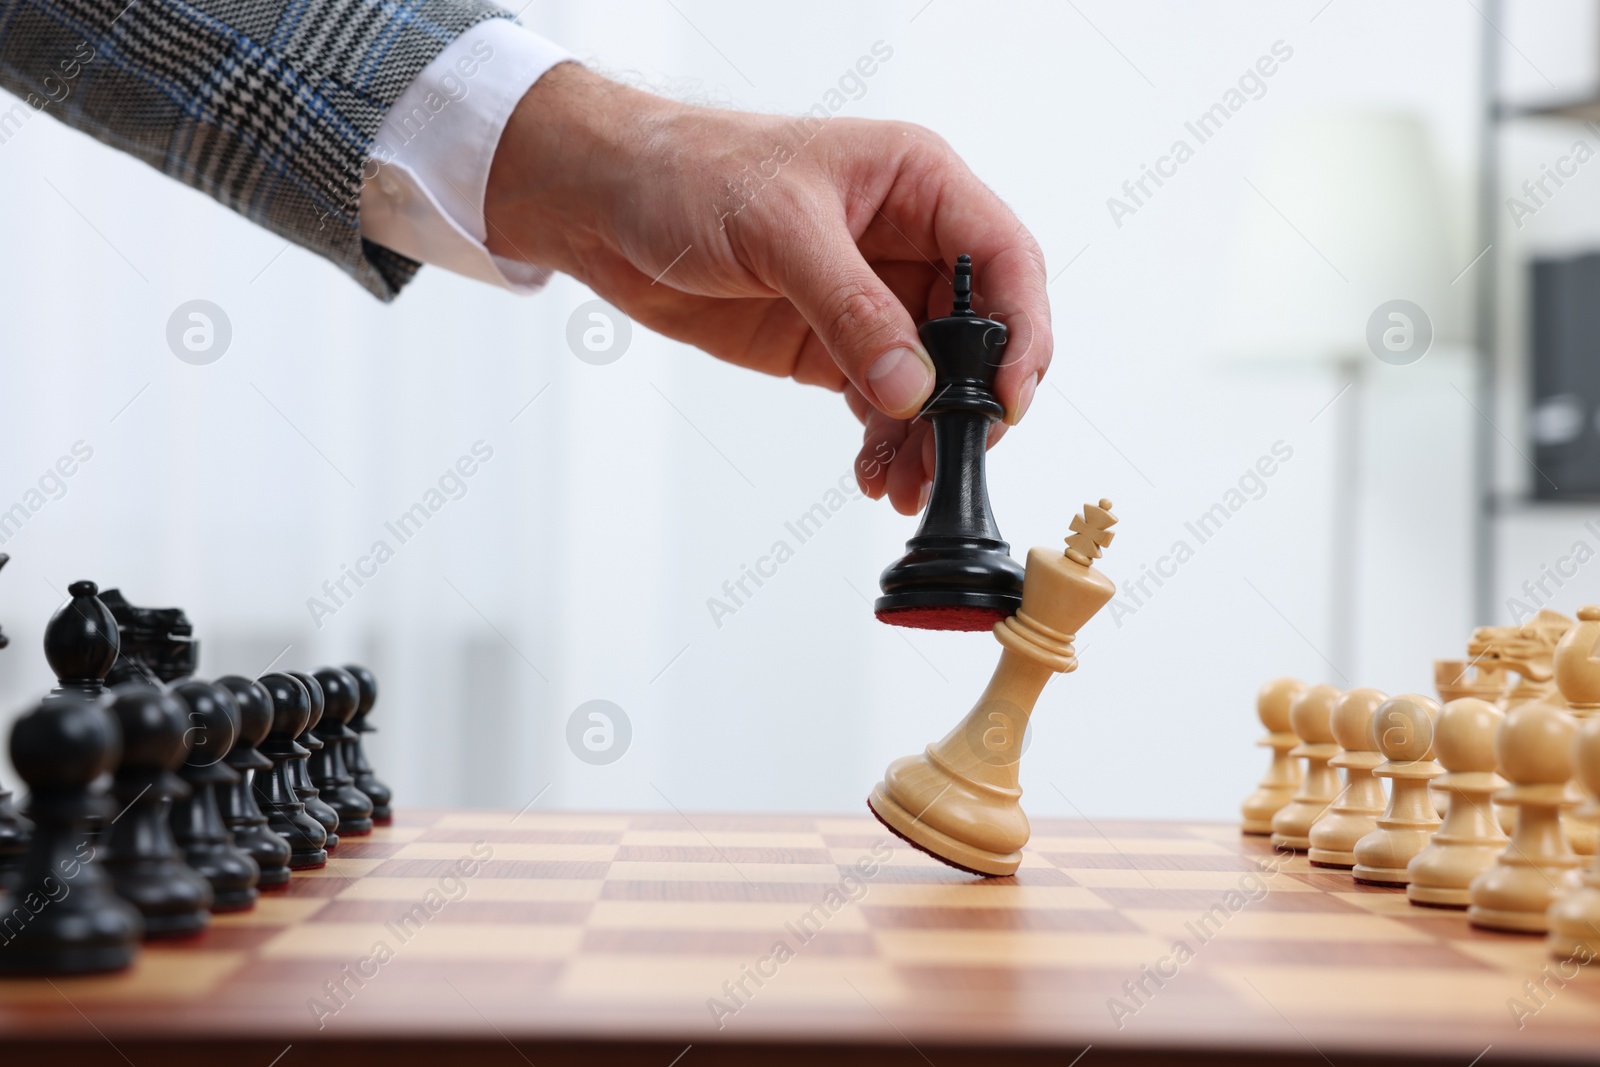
x=550 y=938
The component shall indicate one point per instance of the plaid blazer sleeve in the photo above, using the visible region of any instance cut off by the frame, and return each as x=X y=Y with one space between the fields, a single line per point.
x=269 y=106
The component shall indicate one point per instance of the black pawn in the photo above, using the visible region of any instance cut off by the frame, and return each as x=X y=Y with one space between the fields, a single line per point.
x=239 y=809
x=71 y=921
x=316 y=807
x=957 y=573
x=197 y=824
x=335 y=784
x=146 y=867
x=275 y=792
x=355 y=757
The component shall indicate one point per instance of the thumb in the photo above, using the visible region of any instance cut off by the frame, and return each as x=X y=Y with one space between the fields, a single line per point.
x=860 y=321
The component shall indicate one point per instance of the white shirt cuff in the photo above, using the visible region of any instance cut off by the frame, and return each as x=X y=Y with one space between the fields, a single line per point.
x=424 y=184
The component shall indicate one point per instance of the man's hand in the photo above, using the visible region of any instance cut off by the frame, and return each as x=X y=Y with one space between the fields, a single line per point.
x=801 y=248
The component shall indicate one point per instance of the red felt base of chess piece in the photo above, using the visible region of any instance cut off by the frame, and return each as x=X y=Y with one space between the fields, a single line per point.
x=972 y=619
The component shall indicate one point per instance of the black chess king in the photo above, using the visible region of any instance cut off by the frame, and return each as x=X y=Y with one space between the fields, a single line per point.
x=957 y=573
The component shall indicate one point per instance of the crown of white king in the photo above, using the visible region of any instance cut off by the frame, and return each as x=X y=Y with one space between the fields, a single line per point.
x=1091 y=533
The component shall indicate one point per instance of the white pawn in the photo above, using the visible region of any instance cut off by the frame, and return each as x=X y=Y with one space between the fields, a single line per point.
x=1470 y=839
x=1534 y=749
x=1354 y=812
x=1577 y=672
x=1574 y=919
x=1311 y=718
x=1403 y=730
x=1283 y=774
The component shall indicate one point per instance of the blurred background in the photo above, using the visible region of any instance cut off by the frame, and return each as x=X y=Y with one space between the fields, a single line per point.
x=1222 y=315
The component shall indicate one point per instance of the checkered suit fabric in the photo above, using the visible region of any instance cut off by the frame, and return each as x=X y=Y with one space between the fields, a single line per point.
x=269 y=106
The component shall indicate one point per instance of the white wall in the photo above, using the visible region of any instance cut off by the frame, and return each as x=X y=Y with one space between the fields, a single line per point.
x=578 y=564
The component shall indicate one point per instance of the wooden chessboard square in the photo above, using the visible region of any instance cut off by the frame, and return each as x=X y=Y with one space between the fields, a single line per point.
x=766 y=917
x=975 y=893
x=405 y=832
x=458 y=910
x=1452 y=925
x=735 y=855
x=683 y=836
x=863 y=841
x=1024 y=948
x=1057 y=920
x=434 y=939
x=517 y=834
x=1069 y=990
x=304 y=885
x=547 y=821
x=1385 y=992
x=846 y=858
x=821 y=874
x=712 y=823
x=235 y=938
x=271 y=910
x=1217 y=881
x=520 y=870
x=366 y=849
x=467 y=854
x=808 y=980
x=1141 y=829
x=915 y=873
x=1125 y=845
x=1196 y=901
x=720 y=888
x=746 y=944
x=345 y=867
x=1342 y=927
x=411 y=890
x=1123 y=861
x=1226 y=950
x=176 y=971
x=1137 y=878
x=1515 y=953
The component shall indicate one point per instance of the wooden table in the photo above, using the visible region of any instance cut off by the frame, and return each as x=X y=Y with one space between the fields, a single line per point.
x=666 y=939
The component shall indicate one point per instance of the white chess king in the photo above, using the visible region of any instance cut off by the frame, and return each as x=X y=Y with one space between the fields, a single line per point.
x=959 y=799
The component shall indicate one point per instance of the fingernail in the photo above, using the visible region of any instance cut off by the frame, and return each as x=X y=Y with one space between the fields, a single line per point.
x=900 y=379
x=922 y=497
x=1025 y=397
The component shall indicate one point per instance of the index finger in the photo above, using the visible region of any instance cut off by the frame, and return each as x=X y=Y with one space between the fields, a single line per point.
x=1009 y=279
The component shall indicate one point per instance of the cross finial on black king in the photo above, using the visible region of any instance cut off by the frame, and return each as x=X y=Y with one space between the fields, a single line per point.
x=957 y=573
x=963 y=286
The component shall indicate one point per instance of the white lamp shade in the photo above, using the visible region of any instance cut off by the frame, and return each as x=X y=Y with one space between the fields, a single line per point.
x=1345 y=214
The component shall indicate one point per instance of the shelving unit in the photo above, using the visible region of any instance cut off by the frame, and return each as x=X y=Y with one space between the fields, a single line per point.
x=1491 y=503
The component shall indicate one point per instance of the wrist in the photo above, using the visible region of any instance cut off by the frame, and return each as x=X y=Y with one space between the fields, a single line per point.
x=571 y=144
